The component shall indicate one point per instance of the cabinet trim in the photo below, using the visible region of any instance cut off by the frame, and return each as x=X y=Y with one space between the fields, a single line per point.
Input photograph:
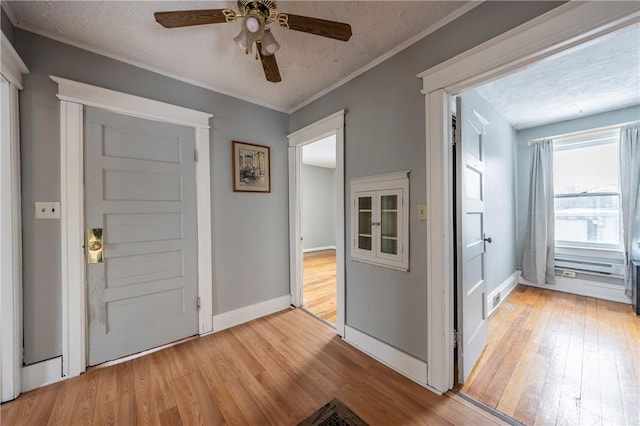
x=376 y=187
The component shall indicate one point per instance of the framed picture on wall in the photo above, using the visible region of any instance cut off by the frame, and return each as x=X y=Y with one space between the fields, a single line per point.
x=251 y=167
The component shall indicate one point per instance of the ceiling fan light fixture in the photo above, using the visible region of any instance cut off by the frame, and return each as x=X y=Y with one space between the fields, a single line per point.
x=253 y=27
x=243 y=43
x=252 y=24
x=269 y=44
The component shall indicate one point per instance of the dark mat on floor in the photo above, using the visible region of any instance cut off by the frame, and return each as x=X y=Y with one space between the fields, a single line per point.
x=334 y=413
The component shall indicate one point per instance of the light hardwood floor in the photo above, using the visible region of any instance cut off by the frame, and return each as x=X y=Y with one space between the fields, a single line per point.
x=558 y=358
x=275 y=370
x=319 y=272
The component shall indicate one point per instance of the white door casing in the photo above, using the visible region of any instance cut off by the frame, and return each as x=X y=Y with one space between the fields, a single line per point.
x=73 y=96
x=10 y=224
x=562 y=28
x=331 y=125
x=470 y=245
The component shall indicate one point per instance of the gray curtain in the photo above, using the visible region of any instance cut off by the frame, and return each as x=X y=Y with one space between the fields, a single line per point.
x=539 y=245
x=630 y=197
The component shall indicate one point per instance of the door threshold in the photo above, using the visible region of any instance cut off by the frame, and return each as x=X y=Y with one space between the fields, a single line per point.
x=140 y=354
x=487 y=408
x=330 y=324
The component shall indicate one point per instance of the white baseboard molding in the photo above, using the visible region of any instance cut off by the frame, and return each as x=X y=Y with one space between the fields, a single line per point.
x=503 y=290
x=310 y=249
x=251 y=312
x=393 y=358
x=42 y=374
x=587 y=288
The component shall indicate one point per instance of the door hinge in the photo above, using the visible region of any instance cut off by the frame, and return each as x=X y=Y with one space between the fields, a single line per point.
x=195 y=155
x=198 y=303
x=456 y=339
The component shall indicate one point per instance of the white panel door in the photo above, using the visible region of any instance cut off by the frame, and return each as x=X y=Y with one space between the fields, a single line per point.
x=140 y=190
x=471 y=262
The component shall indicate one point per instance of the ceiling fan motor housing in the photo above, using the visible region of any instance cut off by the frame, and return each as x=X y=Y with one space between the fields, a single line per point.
x=266 y=8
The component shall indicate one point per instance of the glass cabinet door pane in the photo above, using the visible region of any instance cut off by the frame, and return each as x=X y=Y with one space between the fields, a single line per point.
x=389 y=224
x=365 y=223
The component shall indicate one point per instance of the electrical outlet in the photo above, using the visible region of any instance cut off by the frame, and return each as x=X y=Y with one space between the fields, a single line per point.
x=568 y=274
x=47 y=210
x=422 y=212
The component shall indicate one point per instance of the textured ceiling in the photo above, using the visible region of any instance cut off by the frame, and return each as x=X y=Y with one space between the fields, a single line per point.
x=598 y=76
x=206 y=55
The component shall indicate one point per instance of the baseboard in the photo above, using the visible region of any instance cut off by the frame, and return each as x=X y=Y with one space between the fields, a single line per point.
x=587 y=288
x=251 y=312
x=393 y=358
x=309 y=250
x=41 y=374
x=503 y=290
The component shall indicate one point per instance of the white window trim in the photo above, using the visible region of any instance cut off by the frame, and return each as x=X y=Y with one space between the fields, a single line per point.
x=564 y=27
x=330 y=125
x=12 y=69
x=73 y=97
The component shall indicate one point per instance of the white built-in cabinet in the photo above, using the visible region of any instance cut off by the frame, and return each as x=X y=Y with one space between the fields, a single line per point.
x=380 y=220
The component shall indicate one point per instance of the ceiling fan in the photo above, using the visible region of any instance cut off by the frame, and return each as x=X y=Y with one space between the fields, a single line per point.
x=256 y=15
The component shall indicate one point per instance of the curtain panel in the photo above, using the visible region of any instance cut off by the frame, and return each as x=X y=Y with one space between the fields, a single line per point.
x=630 y=197
x=539 y=243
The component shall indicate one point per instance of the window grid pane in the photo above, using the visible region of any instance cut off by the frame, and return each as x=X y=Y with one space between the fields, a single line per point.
x=587 y=202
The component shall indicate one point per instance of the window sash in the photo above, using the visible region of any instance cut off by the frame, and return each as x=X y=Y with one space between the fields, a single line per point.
x=591 y=244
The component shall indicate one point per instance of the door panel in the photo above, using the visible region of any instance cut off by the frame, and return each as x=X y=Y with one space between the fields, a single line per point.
x=140 y=189
x=471 y=263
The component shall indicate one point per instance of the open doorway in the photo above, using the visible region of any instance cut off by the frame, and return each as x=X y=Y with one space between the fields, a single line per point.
x=318 y=182
x=562 y=351
x=331 y=128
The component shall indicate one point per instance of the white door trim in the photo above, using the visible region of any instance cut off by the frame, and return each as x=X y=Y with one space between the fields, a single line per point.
x=331 y=125
x=73 y=97
x=560 y=29
x=12 y=69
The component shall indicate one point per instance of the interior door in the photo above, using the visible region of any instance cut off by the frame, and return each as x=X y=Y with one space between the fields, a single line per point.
x=471 y=262
x=140 y=192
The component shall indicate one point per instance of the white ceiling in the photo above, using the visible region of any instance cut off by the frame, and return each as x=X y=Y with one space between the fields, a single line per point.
x=321 y=153
x=598 y=76
x=207 y=56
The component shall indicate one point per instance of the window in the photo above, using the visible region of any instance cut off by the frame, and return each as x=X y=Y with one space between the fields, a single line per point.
x=587 y=190
x=380 y=218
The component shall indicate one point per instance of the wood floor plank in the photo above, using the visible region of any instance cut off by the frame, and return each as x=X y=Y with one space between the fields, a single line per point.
x=276 y=370
x=195 y=402
x=612 y=343
x=319 y=289
x=591 y=403
x=558 y=358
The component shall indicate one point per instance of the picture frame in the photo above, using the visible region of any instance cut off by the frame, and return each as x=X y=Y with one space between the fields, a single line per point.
x=251 y=167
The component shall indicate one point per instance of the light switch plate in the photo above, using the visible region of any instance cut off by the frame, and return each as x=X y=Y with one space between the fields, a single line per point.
x=422 y=212
x=47 y=210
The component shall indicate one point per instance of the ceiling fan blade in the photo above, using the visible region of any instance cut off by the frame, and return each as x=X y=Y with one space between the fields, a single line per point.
x=185 y=18
x=321 y=27
x=270 y=66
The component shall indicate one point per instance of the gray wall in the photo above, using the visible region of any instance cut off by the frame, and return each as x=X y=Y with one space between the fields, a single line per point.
x=250 y=231
x=523 y=156
x=500 y=191
x=385 y=132
x=6 y=26
x=318 y=206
